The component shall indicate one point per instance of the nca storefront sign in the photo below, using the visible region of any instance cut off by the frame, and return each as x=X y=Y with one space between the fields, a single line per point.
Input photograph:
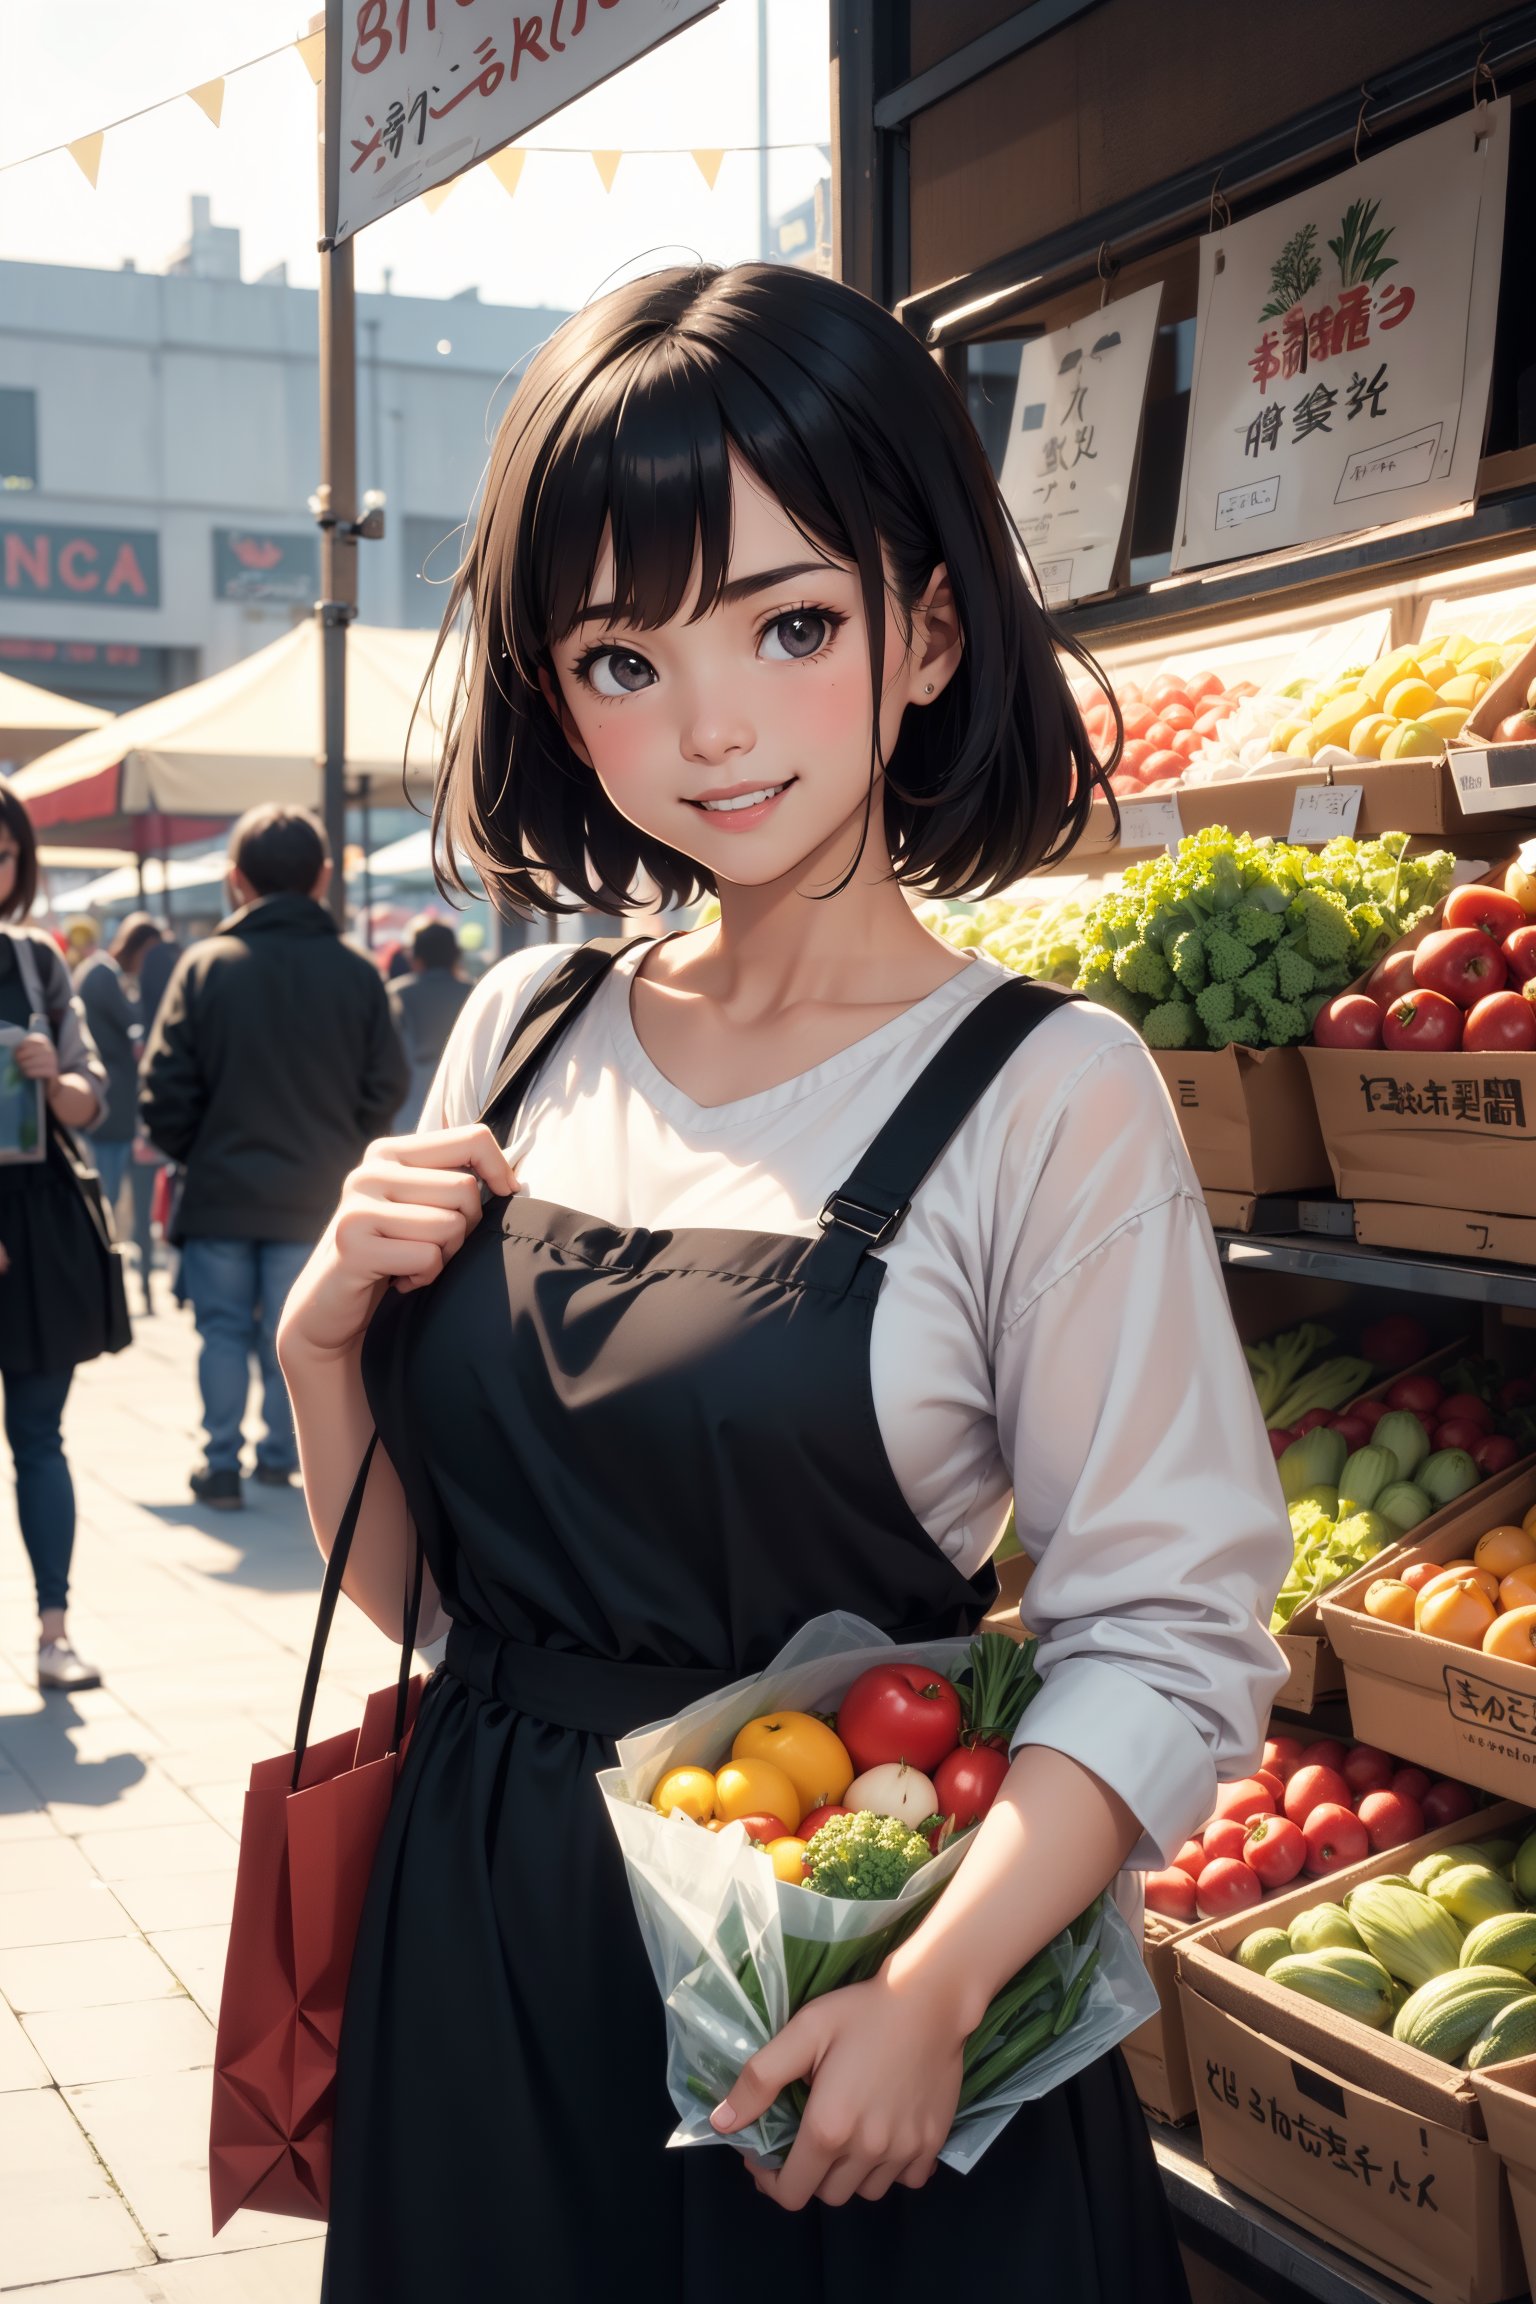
x=256 y=564
x=109 y=567
x=1344 y=349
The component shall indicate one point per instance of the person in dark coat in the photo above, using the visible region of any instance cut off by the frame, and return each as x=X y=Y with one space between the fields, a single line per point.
x=156 y=971
x=424 y=1007
x=272 y=1063
x=108 y=990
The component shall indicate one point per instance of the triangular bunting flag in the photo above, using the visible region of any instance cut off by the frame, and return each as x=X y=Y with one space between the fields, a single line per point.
x=607 y=166
x=507 y=168
x=209 y=98
x=86 y=154
x=707 y=161
x=312 y=50
x=433 y=198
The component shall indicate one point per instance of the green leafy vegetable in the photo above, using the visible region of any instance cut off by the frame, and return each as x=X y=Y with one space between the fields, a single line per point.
x=864 y=1856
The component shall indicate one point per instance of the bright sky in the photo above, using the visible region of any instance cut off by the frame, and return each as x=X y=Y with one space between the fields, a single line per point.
x=70 y=66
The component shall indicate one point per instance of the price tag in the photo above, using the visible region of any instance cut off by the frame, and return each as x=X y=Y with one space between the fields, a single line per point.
x=1150 y=823
x=1323 y=812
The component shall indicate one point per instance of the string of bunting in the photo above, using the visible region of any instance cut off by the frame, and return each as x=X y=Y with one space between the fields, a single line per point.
x=506 y=166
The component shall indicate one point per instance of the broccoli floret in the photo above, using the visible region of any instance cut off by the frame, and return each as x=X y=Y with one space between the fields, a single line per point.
x=1242 y=1030
x=1296 y=975
x=1283 y=1021
x=1322 y=919
x=1255 y=926
x=1229 y=957
x=1141 y=969
x=1169 y=1025
x=1187 y=956
x=1260 y=983
x=1214 y=1005
x=863 y=1856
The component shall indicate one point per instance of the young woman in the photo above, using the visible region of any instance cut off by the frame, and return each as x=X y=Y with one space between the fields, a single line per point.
x=787 y=1252
x=52 y=1309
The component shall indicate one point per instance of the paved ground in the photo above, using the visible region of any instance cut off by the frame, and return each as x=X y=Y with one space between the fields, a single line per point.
x=118 y=1815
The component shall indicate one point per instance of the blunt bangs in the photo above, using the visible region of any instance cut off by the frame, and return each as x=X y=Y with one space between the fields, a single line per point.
x=622 y=435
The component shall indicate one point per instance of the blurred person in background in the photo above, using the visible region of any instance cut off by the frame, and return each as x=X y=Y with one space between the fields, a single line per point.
x=425 y=1007
x=52 y=1305
x=158 y=967
x=271 y=1065
x=82 y=936
x=107 y=988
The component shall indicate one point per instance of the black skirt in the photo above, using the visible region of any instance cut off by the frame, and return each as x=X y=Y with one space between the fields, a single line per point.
x=53 y=1310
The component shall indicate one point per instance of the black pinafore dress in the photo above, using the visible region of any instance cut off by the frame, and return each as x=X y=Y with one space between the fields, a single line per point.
x=639 y=1461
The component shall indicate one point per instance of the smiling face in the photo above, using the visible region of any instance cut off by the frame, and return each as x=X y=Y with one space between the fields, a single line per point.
x=743 y=737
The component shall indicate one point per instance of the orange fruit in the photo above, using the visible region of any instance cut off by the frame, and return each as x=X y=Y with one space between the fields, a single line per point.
x=1529 y=1522
x=1458 y=1572
x=813 y=1758
x=787 y=1857
x=1518 y=1590
x=1459 y=1611
x=1505 y=1551
x=1512 y=1636
x=757 y=1788
x=1390 y=1601
x=1418 y=1572
x=691 y=1789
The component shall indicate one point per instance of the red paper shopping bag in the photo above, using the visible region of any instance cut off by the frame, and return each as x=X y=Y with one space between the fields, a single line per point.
x=307 y=1842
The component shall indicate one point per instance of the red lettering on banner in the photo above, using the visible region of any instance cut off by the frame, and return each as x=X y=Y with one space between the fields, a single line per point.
x=70 y=557
x=127 y=575
x=26 y=564
x=527 y=40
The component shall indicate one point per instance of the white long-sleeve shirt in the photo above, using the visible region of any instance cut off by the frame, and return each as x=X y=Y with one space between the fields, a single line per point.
x=1053 y=1329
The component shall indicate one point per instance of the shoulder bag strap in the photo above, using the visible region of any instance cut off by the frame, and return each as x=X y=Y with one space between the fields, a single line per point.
x=870 y=1208
x=558 y=1001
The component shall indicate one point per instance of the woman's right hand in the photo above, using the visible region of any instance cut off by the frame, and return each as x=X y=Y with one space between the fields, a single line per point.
x=404 y=1211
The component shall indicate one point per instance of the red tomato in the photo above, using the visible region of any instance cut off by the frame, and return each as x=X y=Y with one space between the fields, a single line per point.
x=1390 y=1818
x=1136 y=751
x=1413 y=1783
x=1390 y=979
x=1283 y=1755
x=1159 y=735
x=1461 y=963
x=1192 y=1859
x=1227 y=1886
x=1275 y=1850
x=1207 y=723
x=1328 y=1752
x=968 y=1782
x=1224 y=1837
x=1279 y=1442
x=1186 y=742
x=1494 y=1453
x=1171 y=1895
x=1137 y=718
x=762 y=1828
x=1179 y=716
x=1314 y=1787
x=1371 y=1410
x=899 y=1712
x=1488 y=910
x=1356 y=1430
x=1311 y=1420
x=1502 y=1020
x=1394 y=1340
x=820 y=1816
x=1273 y=1783
x=1446 y=1802
x=1367 y=1769
x=1243 y=1800
x=1165 y=685
x=1458 y=1432
x=1424 y=1023
x=1335 y=1837
x=1203 y=684
x=1161 y=763
x=1349 y=1021
x=1420 y=1395
x=1520 y=951
x=1466 y=1408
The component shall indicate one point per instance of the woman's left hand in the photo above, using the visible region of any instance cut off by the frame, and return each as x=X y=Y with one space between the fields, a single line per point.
x=37 y=1058
x=885 y=2068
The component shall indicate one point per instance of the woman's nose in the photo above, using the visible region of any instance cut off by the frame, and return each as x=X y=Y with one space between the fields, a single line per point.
x=714 y=729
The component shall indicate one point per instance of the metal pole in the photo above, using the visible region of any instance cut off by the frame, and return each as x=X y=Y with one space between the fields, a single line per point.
x=337 y=501
x=762 y=131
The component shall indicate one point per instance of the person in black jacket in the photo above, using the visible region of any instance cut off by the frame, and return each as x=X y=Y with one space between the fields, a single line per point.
x=272 y=1063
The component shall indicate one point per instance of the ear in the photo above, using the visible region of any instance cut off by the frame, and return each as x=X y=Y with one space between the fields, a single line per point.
x=550 y=689
x=938 y=642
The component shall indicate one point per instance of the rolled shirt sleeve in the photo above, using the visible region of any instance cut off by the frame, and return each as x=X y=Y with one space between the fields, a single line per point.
x=1144 y=1485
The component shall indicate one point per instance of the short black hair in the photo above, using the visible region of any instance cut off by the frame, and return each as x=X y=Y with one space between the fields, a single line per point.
x=435 y=945
x=622 y=430
x=15 y=820
x=281 y=851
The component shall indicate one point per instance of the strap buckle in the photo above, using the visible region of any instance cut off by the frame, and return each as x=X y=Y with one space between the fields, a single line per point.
x=877 y=1225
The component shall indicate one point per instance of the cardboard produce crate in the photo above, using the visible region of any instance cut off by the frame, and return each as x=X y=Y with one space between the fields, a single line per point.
x=1419 y=797
x=1451 y=1131
x=1376 y=2148
x=1449 y=1708
x=1507 y=2094
x=1476 y=1235
x=1247 y=1117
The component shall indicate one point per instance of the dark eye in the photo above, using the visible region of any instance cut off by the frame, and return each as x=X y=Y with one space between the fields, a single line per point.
x=617 y=672
x=788 y=639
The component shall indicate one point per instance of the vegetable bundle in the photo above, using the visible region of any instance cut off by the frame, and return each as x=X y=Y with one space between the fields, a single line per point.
x=1236 y=941
x=742 y=1929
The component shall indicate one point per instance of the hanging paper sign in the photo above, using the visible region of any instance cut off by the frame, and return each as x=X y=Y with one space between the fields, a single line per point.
x=1071 y=454
x=416 y=91
x=1344 y=349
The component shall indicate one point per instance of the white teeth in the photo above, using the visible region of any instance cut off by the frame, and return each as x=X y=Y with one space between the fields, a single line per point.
x=743 y=799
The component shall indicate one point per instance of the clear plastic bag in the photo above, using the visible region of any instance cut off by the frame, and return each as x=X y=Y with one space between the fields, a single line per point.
x=732 y=1947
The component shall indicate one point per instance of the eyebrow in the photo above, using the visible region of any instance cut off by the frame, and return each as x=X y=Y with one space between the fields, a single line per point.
x=739 y=588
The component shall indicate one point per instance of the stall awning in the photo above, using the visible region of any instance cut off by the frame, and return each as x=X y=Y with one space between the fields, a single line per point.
x=34 y=720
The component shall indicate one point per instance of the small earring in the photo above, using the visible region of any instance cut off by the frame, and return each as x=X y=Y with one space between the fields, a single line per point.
x=928 y=691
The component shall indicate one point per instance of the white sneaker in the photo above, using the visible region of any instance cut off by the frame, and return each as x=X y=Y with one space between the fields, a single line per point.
x=59 y=1667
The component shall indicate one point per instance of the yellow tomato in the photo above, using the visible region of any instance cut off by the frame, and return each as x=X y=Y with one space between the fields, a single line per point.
x=1518 y=1589
x=813 y=1758
x=1505 y=1551
x=1459 y=1611
x=757 y=1788
x=691 y=1789
x=1529 y=1522
x=1512 y=1636
x=787 y=1857
x=1390 y=1602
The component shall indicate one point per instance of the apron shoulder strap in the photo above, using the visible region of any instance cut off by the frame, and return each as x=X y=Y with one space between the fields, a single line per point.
x=869 y=1209
x=558 y=1001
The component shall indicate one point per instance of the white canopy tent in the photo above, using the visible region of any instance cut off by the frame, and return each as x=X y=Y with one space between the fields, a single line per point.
x=35 y=720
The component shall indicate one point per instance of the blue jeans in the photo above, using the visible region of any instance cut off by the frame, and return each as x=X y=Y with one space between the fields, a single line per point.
x=45 y=1494
x=238 y=1289
x=112 y=1166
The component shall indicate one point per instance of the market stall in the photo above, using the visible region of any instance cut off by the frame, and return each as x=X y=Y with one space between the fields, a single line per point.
x=34 y=720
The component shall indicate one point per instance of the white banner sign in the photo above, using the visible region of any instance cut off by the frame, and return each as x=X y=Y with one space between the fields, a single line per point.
x=1072 y=444
x=1344 y=348
x=418 y=90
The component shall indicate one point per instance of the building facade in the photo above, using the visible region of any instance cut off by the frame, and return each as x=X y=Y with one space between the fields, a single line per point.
x=159 y=439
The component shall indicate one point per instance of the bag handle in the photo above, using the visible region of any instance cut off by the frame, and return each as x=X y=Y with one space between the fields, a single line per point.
x=330 y=1593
